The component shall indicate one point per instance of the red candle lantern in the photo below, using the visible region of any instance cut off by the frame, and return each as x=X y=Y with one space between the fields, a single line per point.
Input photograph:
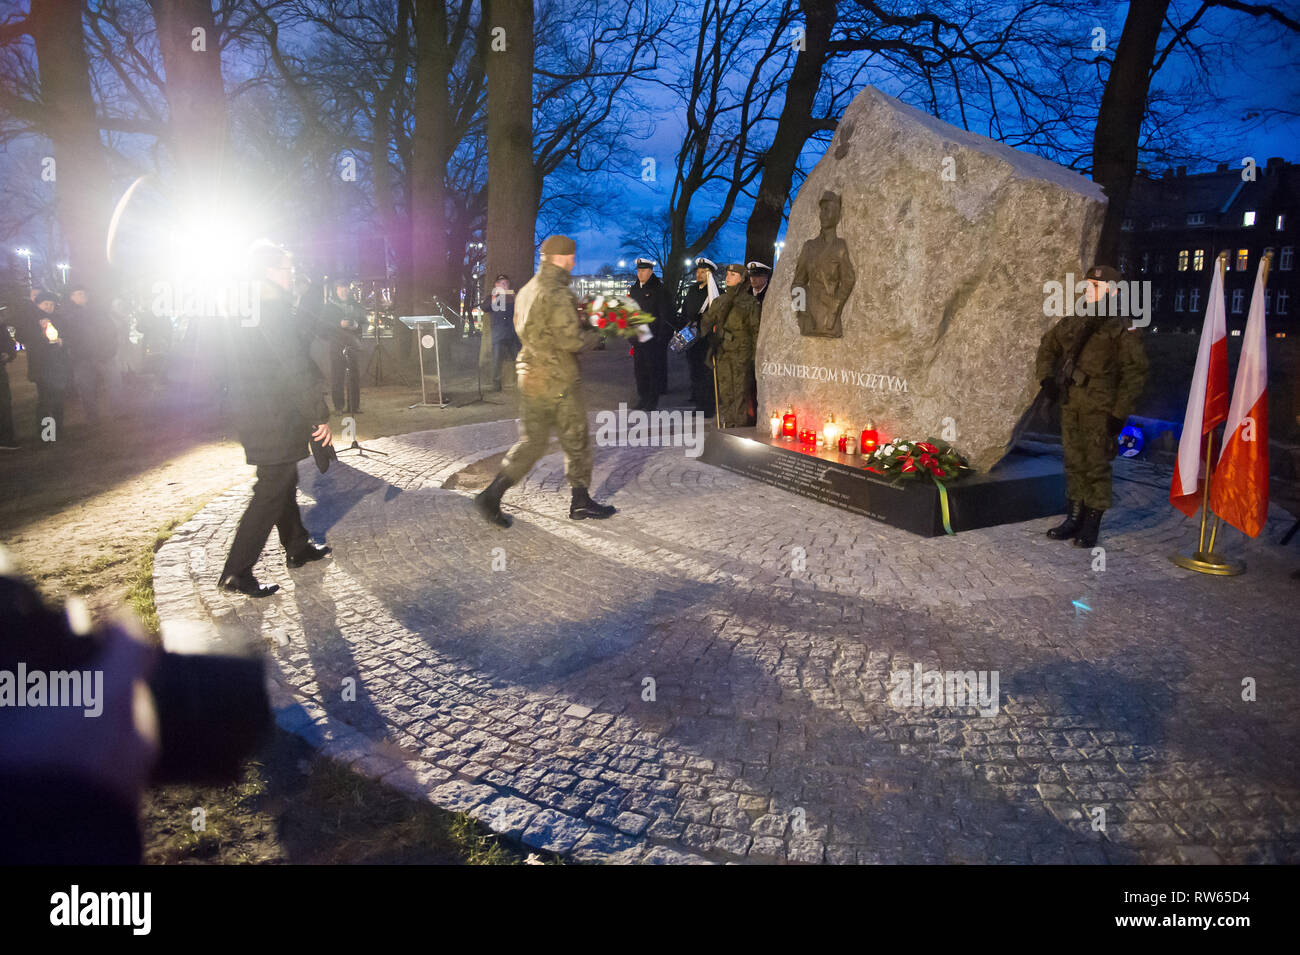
x=870 y=438
x=789 y=425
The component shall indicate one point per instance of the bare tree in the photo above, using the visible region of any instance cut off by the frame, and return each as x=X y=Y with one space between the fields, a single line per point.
x=726 y=90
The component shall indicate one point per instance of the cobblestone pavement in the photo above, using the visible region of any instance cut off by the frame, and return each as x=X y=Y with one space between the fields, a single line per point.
x=522 y=695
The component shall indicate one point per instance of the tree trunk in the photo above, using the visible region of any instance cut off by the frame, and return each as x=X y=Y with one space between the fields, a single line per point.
x=513 y=192
x=1119 y=120
x=80 y=168
x=792 y=131
x=430 y=149
x=396 y=231
x=196 y=97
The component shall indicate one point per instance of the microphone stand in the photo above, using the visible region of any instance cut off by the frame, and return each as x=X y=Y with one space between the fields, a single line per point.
x=360 y=449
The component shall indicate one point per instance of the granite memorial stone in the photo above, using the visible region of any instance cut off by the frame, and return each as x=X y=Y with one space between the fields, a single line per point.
x=915 y=298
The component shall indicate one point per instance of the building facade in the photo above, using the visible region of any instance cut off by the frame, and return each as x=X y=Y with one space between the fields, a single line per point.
x=1176 y=225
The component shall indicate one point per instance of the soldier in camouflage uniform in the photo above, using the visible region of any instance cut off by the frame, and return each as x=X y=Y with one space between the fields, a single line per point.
x=1097 y=395
x=548 y=324
x=732 y=321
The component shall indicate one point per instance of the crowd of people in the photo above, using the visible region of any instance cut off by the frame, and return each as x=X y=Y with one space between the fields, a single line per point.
x=716 y=326
x=72 y=345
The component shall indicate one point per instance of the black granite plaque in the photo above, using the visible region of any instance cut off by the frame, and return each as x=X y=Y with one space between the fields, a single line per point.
x=1020 y=488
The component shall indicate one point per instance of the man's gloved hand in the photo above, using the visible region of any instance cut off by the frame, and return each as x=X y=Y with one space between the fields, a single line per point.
x=1114 y=425
x=1051 y=389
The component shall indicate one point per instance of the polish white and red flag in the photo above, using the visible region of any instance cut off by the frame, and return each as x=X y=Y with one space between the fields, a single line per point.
x=1207 y=402
x=1240 y=491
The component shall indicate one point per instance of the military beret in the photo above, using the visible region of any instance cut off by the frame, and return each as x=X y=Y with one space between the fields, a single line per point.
x=1104 y=273
x=703 y=263
x=644 y=263
x=758 y=268
x=738 y=267
x=558 y=245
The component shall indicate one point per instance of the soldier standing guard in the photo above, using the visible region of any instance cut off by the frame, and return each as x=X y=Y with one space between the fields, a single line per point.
x=1096 y=367
x=548 y=323
x=733 y=323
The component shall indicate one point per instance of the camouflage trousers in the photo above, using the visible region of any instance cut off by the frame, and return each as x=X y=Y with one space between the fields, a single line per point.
x=1089 y=449
x=735 y=377
x=567 y=417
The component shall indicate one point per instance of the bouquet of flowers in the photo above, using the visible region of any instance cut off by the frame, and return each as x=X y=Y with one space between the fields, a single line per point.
x=910 y=460
x=617 y=315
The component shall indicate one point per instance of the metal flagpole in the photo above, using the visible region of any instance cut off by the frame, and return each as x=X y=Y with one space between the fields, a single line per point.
x=1205 y=560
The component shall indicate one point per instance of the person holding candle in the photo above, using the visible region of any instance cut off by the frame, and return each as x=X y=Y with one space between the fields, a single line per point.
x=49 y=366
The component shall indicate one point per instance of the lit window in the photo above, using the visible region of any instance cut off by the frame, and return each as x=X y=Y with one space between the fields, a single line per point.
x=1248 y=218
x=1236 y=332
x=1243 y=259
x=1196 y=218
x=1123 y=264
x=1160 y=263
x=1182 y=261
x=1282 y=296
x=1146 y=261
x=1198 y=260
x=1156 y=296
x=1178 y=301
x=1238 y=296
x=1284 y=260
x=1194 y=303
x=1281 y=222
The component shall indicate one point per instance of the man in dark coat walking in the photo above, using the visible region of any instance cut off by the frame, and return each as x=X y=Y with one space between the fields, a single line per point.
x=279 y=400
x=650 y=359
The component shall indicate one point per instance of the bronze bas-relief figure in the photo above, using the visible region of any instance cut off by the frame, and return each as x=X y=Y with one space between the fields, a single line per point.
x=825 y=275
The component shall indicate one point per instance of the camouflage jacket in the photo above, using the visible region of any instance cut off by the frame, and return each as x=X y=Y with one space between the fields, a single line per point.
x=548 y=324
x=1112 y=369
x=733 y=323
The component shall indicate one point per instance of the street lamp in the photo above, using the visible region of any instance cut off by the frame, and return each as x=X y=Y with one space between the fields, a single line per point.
x=779 y=247
x=622 y=263
x=28 y=254
x=63 y=267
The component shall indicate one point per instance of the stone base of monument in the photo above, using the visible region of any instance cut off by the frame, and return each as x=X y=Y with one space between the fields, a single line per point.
x=1022 y=487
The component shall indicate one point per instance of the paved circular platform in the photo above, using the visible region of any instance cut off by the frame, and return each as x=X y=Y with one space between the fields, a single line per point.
x=711 y=675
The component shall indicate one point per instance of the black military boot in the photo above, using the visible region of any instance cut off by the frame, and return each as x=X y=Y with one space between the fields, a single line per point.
x=1089 y=528
x=1070 y=526
x=488 y=501
x=582 y=506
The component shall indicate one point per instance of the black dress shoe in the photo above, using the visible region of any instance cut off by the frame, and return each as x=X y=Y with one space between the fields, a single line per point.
x=248 y=586
x=305 y=556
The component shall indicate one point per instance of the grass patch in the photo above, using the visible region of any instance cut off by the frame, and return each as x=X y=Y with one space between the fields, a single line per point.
x=139 y=594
